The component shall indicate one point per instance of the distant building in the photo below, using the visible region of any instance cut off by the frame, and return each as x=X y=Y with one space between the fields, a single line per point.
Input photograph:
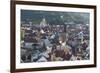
x=30 y=24
x=43 y=23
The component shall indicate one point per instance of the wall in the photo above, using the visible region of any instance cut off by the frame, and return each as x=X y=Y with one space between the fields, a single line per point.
x=5 y=36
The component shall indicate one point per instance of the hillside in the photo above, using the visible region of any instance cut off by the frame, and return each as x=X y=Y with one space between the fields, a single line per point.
x=53 y=17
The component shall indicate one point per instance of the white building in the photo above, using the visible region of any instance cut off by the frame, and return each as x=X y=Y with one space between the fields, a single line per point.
x=43 y=23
